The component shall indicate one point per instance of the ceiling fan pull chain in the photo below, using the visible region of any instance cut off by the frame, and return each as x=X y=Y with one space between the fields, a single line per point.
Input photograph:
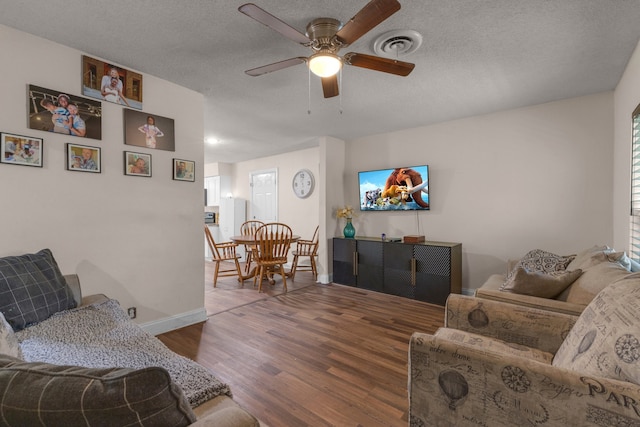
x=340 y=77
x=309 y=78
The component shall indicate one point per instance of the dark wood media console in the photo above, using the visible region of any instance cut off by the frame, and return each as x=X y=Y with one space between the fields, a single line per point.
x=427 y=271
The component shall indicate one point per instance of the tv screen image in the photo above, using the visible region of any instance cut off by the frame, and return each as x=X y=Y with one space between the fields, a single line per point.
x=394 y=189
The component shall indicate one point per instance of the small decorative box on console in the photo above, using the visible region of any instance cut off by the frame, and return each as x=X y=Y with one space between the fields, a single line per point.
x=413 y=239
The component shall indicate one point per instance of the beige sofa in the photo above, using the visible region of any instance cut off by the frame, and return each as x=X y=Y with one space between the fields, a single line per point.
x=71 y=360
x=599 y=265
x=500 y=364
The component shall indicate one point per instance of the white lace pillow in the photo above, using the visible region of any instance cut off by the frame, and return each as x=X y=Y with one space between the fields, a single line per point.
x=8 y=341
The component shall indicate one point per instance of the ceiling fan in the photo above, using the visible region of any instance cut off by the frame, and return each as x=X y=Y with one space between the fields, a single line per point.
x=326 y=36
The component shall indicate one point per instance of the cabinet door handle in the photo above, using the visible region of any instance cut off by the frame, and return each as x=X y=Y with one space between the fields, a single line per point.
x=355 y=263
x=413 y=271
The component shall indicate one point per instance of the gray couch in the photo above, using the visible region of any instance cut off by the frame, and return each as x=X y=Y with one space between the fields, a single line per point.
x=599 y=267
x=71 y=360
x=221 y=411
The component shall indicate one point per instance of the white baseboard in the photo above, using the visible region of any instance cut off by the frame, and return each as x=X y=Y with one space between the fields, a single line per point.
x=177 y=321
x=324 y=278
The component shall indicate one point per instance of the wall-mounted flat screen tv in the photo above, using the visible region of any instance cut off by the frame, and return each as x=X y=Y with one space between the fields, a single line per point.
x=394 y=189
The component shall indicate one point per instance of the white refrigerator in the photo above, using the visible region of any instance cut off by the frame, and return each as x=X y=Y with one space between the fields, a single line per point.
x=233 y=212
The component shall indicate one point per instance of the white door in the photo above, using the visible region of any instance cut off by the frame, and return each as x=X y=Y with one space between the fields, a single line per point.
x=264 y=195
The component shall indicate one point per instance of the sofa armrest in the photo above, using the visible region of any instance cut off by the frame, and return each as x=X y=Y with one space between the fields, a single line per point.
x=73 y=281
x=454 y=384
x=222 y=411
x=541 y=329
x=531 y=301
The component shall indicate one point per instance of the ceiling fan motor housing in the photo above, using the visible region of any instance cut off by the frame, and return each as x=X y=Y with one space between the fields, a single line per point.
x=322 y=31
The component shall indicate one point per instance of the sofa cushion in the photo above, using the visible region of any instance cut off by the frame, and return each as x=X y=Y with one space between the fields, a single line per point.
x=44 y=394
x=8 y=341
x=32 y=289
x=591 y=281
x=539 y=260
x=596 y=255
x=539 y=284
x=605 y=341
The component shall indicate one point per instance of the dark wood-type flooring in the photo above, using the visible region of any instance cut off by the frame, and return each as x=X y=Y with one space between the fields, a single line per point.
x=319 y=355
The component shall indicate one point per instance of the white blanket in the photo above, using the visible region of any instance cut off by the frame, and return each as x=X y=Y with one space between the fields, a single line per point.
x=102 y=335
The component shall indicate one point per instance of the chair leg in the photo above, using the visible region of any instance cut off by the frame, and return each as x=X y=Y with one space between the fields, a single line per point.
x=259 y=277
x=247 y=265
x=239 y=271
x=314 y=269
x=294 y=266
x=215 y=274
x=284 y=277
x=255 y=276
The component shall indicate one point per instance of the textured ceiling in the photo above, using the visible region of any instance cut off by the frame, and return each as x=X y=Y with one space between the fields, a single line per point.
x=477 y=56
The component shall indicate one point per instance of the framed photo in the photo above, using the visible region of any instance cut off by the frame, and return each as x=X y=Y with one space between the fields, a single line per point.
x=56 y=111
x=21 y=150
x=111 y=83
x=137 y=164
x=83 y=158
x=184 y=170
x=148 y=130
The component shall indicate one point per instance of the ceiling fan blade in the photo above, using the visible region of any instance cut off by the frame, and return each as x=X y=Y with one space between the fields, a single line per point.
x=377 y=63
x=264 y=17
x=330 y=86
x=369 y=16
x=276 y=66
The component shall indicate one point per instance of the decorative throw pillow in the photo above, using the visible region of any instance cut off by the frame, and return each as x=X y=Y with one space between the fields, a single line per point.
x=32 y=288
x=593 y=280
x=539 y=260
x=605 y=341
x=539 y=284
x=8 y=341
x=597 y=255
x=43 y=394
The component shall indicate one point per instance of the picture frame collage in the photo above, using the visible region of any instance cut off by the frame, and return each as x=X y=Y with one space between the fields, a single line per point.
x=81 y=117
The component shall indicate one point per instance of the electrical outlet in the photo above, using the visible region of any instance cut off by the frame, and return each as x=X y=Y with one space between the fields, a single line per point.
x=132 y=312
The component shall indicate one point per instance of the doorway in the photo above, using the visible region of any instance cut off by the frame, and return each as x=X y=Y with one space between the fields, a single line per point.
x=264 y=195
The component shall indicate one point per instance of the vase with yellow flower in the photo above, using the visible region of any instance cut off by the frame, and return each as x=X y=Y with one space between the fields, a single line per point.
x=347 y=213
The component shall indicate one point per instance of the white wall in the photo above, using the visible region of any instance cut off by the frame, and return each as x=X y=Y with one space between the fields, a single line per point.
x=138 y=240
x=502 y=184
x=302 y=215
x=627 y=98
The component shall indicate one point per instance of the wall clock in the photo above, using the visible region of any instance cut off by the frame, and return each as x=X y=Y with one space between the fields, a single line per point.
x=303 y=183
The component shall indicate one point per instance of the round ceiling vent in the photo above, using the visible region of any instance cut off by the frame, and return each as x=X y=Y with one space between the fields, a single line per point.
x=397 y=43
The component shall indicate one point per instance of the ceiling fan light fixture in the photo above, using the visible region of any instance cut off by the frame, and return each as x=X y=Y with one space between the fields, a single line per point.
x=324 y=64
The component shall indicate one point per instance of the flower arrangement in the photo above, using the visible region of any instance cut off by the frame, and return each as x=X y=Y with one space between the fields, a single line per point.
x=346 y=212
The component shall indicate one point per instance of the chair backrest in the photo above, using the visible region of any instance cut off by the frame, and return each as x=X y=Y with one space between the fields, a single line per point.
x=249 y=228
x=315 y=238
x=273 y=240
x=212 y=243
x=309 y=247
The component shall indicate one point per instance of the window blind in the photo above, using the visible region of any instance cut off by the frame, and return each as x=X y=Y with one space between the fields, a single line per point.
x=634 y=244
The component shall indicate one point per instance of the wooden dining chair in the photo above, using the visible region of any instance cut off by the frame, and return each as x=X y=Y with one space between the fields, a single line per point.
x=273 y=242
x=248 y=228
x=306 y=248
x=223 y=252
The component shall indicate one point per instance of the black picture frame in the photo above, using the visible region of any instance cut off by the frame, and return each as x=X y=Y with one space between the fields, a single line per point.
x=21 y=150
x=184 y=170
x=84 y=158
x=132 y=166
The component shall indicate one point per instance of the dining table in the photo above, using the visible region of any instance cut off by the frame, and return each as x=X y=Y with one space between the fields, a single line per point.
x=250 y=239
